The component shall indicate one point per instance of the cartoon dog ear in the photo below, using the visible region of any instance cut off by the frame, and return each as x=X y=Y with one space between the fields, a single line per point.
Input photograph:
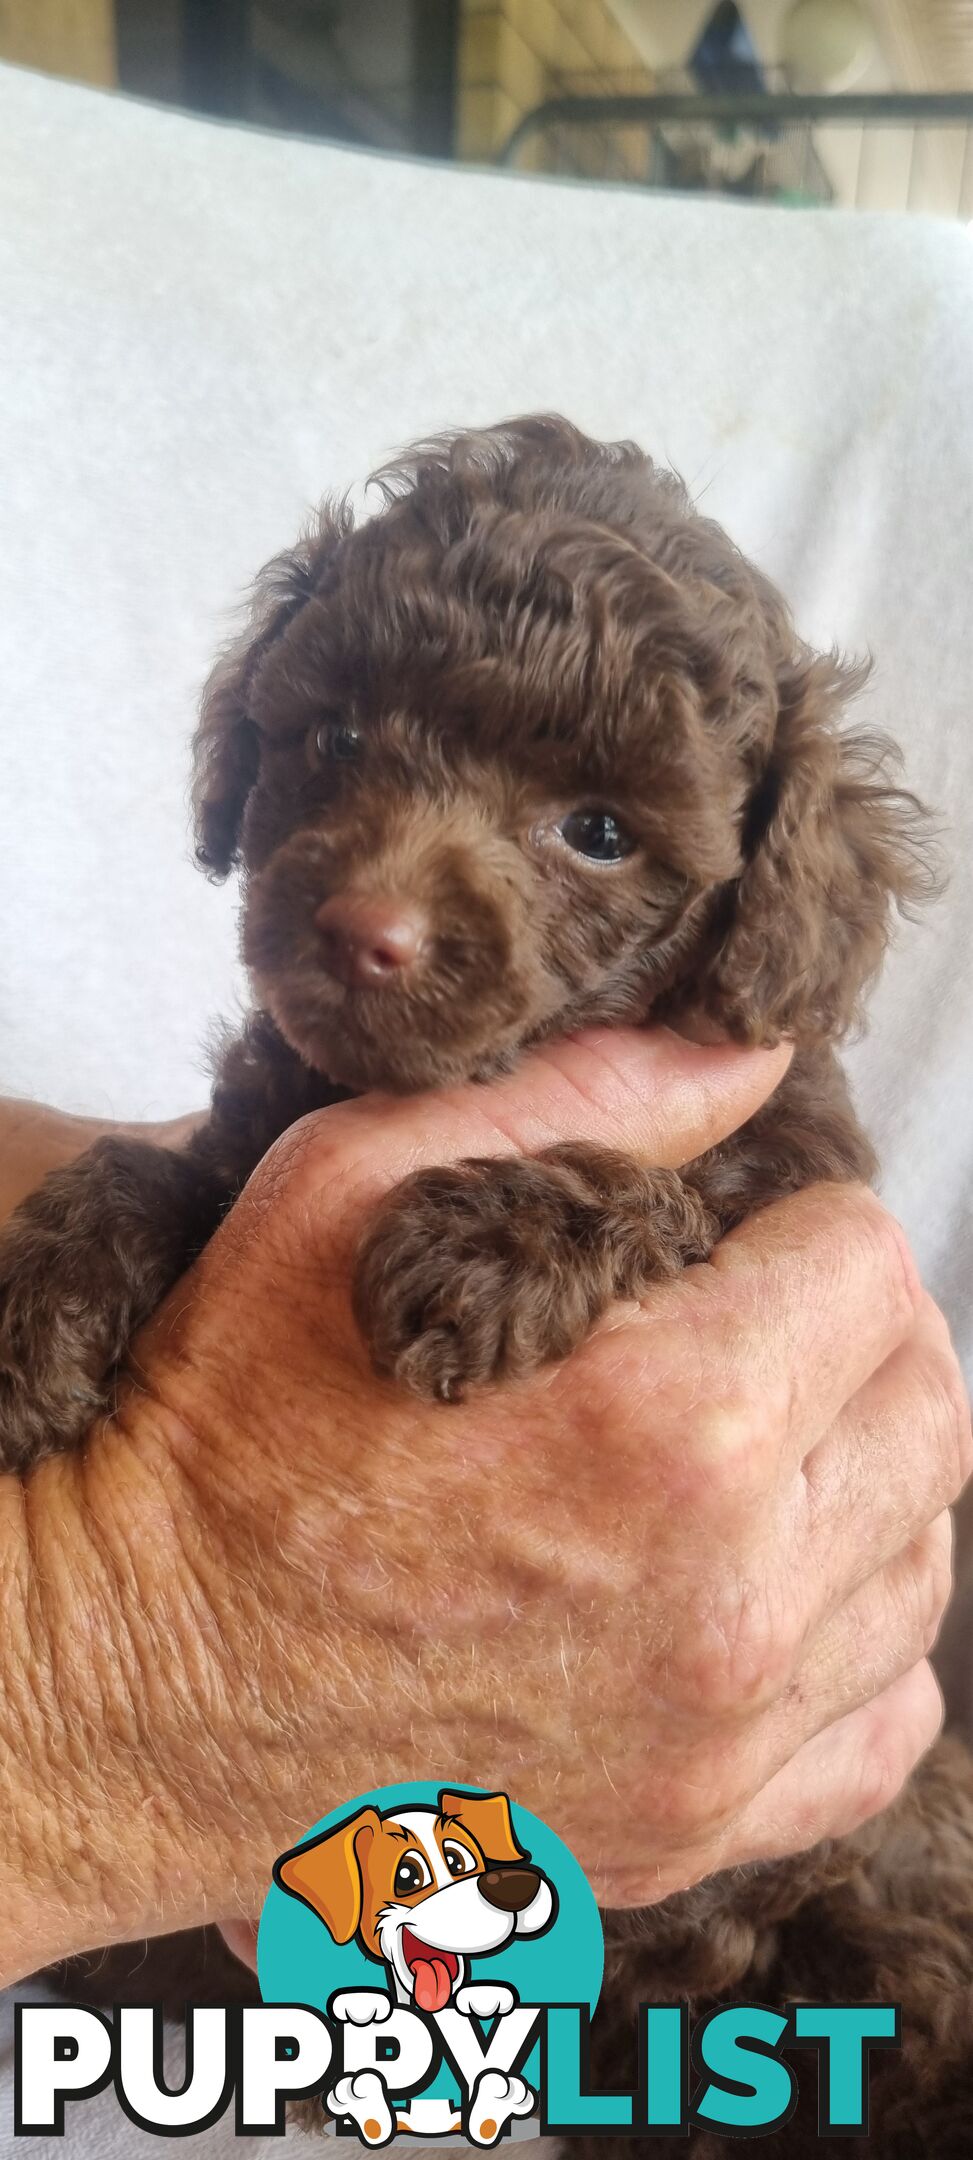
x=832 y=848
x=486 y=1816
x=226 y=751
x=326 y=1874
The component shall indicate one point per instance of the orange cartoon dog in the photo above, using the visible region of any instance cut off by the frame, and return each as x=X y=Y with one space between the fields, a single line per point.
x=423 y=1889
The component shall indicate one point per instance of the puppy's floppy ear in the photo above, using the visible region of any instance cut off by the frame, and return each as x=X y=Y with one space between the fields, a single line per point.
x=486 y=1816
x=832 y=848
x=326 y=1873
x=226 y=751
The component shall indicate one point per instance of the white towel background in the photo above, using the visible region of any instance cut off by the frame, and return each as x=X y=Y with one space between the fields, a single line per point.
x=203 y=329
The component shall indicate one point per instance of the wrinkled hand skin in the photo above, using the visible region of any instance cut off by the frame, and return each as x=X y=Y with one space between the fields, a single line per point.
x=275 y=1580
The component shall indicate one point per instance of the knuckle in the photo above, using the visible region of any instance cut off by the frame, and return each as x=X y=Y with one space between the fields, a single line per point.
x=733 y=1434
x=288 y=1167
x=934 y=1582
x=304 y=1163
x=744 y=1654
x=881 y=1775
x=895 y=1744
x=713 y=1415
x=888 y=1250
x=951 y=1414
x=941 y=1433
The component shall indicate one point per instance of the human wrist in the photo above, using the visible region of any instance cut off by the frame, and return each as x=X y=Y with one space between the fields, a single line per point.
x=111 y=1762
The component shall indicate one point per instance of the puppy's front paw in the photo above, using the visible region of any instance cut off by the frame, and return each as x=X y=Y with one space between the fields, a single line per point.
x=467 y=1277
x=51 y=1362
x=83 y=1261
x=488 y=1269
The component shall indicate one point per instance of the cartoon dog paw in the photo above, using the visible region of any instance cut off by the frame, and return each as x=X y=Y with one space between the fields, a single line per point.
x=485 y=1999
x=429 y=2118
x=361 y=2006
x=494 y=2100
x=364 y=2098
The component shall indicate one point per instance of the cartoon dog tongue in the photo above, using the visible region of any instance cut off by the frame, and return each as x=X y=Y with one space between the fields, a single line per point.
x=431 y=1980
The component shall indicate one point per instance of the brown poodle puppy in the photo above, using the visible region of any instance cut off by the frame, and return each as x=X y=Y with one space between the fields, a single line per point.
x=536 y=747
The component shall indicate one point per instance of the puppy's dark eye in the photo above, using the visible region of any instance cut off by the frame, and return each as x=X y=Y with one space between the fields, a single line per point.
x=596 y=834
x=333 y=739
x=411 y=1874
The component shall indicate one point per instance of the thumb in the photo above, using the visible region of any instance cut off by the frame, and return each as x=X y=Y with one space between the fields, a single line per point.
x=651 y=1094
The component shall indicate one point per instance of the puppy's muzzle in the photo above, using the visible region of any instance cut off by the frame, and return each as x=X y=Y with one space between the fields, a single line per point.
x=510 y=1889
x=367 y=943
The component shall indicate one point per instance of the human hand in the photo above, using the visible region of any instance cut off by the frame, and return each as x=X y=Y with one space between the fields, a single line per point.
x=675 y=1596
x=35 y=1139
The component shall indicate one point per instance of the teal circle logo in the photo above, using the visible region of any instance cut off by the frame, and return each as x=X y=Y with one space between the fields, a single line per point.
x=449 y=1904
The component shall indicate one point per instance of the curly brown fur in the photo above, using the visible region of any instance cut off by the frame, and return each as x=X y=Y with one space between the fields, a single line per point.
x=535 y=624
x=535 y=655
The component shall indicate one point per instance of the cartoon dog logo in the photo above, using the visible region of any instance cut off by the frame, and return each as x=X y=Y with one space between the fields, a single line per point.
x=422 y=1890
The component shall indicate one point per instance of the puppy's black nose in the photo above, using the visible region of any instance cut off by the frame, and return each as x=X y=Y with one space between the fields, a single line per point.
x=367 y=942
x=510 y=1888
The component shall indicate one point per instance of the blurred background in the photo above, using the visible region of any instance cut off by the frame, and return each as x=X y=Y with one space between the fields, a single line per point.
x=862 y=103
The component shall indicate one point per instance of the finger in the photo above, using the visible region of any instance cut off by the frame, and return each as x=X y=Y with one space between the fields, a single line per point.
x=882 y=1631
x=802 y=1303
x=897 y=1454
x=801 y=1780
x=845 y=1775
x=828 y=1788
x=662 y=1100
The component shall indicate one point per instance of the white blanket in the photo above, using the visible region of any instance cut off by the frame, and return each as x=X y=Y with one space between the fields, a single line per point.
x=202 y=329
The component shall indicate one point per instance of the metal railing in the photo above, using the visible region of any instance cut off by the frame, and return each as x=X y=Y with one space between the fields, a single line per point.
x=792 y=140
